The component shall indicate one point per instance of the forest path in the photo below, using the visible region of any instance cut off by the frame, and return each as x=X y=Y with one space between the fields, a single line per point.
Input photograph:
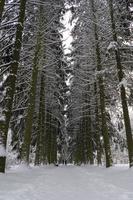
x=67 y=183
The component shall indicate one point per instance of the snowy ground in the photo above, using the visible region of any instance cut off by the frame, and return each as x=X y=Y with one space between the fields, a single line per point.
x=67 y=183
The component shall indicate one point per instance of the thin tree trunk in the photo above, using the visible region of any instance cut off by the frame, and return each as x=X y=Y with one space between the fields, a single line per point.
x=2 y=3
x=88 y=131
x=39 y=158
x=98 y=143
x=31 y=107
x=11 y=81
x=48 y=150
x=122 y=89
x=101 y=93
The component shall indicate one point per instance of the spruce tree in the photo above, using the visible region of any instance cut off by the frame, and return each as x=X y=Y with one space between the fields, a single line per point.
x=11 y=81
x=122 y=88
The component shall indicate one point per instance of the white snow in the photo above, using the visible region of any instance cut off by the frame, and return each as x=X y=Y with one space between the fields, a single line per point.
x=2 y=151
x=131 y=116
x=2 y=118
x=123 y=82
x=112 y=46
x=67 y=183
x=67 y=37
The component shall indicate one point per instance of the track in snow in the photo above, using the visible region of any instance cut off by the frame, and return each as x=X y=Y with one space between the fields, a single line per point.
x=67 y=183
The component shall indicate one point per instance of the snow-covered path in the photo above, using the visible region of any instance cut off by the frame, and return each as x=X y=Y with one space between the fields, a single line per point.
x=67 y=183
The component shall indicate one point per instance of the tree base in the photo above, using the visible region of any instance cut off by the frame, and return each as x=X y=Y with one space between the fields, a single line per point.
x=2 y=164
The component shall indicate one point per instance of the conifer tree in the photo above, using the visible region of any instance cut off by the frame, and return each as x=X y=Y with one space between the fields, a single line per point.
x=122 y=88
x=31 y=104
x=11 y=81
x=101 y=90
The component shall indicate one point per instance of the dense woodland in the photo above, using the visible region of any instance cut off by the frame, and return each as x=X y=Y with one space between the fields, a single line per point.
x=66 y=108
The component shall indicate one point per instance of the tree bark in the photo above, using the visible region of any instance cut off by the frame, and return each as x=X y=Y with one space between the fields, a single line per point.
x=31 y=107
x=11 y=81
x=40 y=146
x=122 y=88
x=97 y=138
x=101 y=92
x=2 y=3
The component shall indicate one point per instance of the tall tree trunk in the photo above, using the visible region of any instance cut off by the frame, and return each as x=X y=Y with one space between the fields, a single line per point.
x=88 y=129
x=101 y=91
x=97 y=128
x=48 y=146
x=122 y=88
x=2 y=3
x=39 y=158
x=11 y=81
x=79 y=151
x=53 y=145
x=31 y=106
